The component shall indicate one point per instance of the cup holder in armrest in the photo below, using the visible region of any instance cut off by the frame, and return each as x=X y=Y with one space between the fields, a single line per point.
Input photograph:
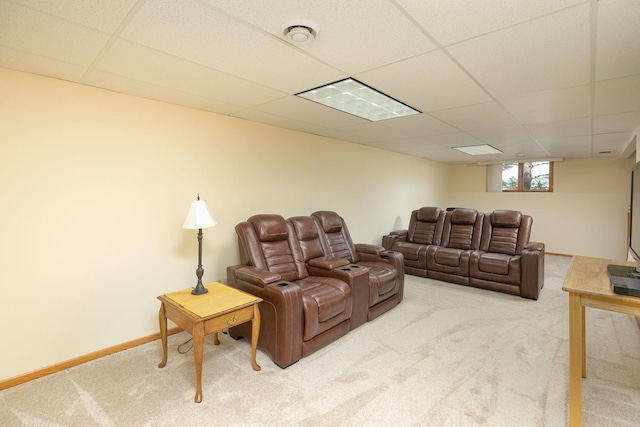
x=283 y=284
x=345 y=269
x=354 y=266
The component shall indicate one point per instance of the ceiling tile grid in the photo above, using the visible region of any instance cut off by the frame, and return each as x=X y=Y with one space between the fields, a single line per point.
x=554 y=78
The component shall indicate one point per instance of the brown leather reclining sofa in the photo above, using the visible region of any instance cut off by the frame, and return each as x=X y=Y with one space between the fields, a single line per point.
x=464 y=246
x=315 y=283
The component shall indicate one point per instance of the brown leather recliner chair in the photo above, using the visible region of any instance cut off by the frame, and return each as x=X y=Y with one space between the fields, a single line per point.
x=460 y=237
x=320 y=263
x=506 y=261
x=299 y=313
x=386 y=268
x=425 y=229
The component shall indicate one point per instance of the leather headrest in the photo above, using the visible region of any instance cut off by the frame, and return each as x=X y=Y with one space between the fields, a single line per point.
x=464 y=216
x=504 y=218
x=270 y=228
x=330 y=221
x=428 y=214
x=305 y=227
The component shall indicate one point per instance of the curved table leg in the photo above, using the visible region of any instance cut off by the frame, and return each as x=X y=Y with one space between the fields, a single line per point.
x=198 y=338
x=255 y=334
x=162 y=317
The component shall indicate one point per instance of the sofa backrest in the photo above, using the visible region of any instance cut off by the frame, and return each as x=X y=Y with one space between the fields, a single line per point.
x=462 y=229
x=506 y=232
x=425 y=226
x=267 y=242
x=337 y=238
x=308 y=233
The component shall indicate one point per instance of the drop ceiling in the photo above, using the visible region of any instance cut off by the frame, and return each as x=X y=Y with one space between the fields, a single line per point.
x=534 y=78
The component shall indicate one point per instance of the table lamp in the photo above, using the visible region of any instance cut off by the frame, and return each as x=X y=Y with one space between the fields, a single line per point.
x=199 y=218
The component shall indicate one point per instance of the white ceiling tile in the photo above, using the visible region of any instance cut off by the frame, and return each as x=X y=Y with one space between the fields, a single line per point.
x=551 y=52
x=455 y=139
x=55 y=38
x=306 y=111
x=274 y=120
x=551 y=106
x=374 y=132
x=617 y=95
x=450 y=21
x=16 y=60
x=618 y=33
x=102 y=15
x=344 y=32
x=419 y=125
x=139 y=63
x=623 y=122
x=574 y=147
x=427 y=82
x=610 y=142
x=150 y=91
x=567 y=128
x=503 y=136
x=476 y=117
x=193 y=31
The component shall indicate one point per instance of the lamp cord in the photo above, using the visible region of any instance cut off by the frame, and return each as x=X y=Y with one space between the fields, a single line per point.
x=180 y=347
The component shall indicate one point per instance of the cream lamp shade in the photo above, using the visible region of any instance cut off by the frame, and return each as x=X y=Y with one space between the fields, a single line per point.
x=198 y=216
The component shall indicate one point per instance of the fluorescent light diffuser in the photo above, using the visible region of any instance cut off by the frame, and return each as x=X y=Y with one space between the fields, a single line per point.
x=353 y=97
x=477 y=150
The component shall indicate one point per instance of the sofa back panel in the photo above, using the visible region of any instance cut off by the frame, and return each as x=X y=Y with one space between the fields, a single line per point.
x=308 y=235
x=462 y=229
x=337 y=238
x=269 y=244
x=425 y=226
x=503 y=240
x=506 y=232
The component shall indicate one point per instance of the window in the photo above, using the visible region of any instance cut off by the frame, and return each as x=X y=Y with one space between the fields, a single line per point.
x=527 y=176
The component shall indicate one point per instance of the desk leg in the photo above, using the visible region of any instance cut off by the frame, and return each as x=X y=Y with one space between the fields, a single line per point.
x=162 y=317
x=576 y=328
x=198 y=340
x=255 y=334
x=584 y=341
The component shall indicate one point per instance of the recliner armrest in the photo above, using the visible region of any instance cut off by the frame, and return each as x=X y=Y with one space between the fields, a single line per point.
x=388 y=240
x=256 y=276
x=328 y=263
x=532 y=263
x=366 y=248
x=535 y=246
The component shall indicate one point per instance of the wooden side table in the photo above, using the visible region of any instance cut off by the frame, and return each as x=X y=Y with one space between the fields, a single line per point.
x=210 y=313
x=588 y=285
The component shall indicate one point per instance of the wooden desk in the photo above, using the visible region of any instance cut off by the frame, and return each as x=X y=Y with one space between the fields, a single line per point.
x=201 y=315
x=588 y=285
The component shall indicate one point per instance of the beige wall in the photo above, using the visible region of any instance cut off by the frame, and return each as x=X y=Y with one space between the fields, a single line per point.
x=95 y=186
x=586 y=214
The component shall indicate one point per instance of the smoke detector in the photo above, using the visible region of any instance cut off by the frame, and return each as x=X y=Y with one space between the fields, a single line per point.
x=300 y=31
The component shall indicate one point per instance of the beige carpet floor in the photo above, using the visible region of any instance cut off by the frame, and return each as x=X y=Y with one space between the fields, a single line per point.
x=448 y=355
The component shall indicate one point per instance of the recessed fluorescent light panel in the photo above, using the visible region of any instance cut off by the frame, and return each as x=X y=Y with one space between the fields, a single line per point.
x=353 y=97
x=477 y=150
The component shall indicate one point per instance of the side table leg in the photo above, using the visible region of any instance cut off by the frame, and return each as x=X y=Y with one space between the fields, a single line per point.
x=576 y=313
x=255 y=334
x=162 y=317
x=198 y=338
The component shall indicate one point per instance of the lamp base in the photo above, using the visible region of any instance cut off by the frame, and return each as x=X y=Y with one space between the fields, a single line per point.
x=199 y=290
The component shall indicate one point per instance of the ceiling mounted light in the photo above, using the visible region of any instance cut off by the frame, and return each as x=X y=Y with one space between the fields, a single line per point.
x=300 y=31
x=353 y=97
x=477 y=150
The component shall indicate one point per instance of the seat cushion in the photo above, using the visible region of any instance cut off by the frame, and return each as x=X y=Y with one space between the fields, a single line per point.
x=326 y=303
x=495 y=267
x=383 y=282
